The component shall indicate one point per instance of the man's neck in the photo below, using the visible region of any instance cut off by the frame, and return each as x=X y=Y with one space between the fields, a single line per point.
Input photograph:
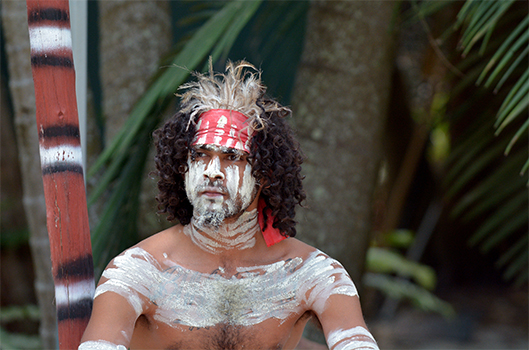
x=238 y=234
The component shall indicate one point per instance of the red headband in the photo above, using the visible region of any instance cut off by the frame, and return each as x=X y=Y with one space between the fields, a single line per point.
x=223 y=127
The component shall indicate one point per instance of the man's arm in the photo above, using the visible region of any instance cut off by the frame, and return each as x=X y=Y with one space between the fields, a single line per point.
x=120 y=298
x=111 y=324
x=332 y=296
x=344 y=326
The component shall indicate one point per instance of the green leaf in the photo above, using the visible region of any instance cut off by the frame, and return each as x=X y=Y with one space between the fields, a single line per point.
x=20 y=313
x=519 y=247
x=467 y=151
x=515 y=223
x=506 y=106
x=510 y=70
x=494 y=199
x=517 y=109
x=504 y=46
x=494 y=179
x=231 y=34
x=18 y=341
x=483 y=20
x=505 y=61
x=476 y=166
x=517 y=266
x=386 y=261
x=516 y=136
x=498 y=219
x=399 y=238
x=524 y=168
x=401 y=289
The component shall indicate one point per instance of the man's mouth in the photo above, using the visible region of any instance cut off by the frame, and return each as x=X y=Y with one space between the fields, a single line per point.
x=212 y=192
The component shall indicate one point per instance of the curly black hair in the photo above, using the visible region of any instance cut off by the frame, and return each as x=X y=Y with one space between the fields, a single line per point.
x=275 y=157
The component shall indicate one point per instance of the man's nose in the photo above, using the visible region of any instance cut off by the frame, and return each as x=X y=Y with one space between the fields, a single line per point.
x=213 y=170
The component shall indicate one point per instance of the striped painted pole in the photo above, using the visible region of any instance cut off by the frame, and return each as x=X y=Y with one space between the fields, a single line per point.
x=62 y=166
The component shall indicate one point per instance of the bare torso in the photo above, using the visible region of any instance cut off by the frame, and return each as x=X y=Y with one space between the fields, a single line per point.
x=189 y=300
x=150 y=334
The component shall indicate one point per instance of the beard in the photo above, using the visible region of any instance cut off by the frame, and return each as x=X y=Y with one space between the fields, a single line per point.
x=211 y=213
x=212 y=219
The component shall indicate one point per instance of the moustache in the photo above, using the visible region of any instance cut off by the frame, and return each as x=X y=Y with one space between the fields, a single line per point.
x=216 y=184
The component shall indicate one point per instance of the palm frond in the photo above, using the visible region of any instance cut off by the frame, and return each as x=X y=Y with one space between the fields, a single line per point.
x=481 y=18
x=489 y=184
x=505 y=52
x=486 y=185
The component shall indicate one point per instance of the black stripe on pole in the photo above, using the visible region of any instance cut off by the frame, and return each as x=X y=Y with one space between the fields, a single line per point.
x=80 y=309
x=62 y=168
x=49 y=14
x=59 y=131
x=50 y=60
x=82 y=267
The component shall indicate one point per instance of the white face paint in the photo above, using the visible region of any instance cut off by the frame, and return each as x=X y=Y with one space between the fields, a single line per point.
x=252 y=295
x=202 y=176
x=218 y=193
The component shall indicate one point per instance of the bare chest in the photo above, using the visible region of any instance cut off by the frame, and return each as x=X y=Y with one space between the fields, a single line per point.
x=246 y=298
x=256 y=307
x=268 y=335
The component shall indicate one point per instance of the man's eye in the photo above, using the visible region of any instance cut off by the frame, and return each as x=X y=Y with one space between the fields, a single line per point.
x=197 y=155
x=234 y=157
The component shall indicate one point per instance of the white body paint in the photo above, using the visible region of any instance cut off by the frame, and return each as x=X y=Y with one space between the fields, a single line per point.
x=251 y=296
x=47 y=39
x=75 y=292
x=100 y=345
x=237 y=235
x=350 y=339
x=64 y=154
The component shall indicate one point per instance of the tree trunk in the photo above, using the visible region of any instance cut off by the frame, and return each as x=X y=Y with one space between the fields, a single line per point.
x=340 y=106
x=134 y=37
x=15 y=26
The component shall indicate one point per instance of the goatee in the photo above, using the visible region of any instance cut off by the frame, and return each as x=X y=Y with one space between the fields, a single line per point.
x=212 y=219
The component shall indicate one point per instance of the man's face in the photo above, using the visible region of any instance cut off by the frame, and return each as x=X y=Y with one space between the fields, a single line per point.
x=219 y=184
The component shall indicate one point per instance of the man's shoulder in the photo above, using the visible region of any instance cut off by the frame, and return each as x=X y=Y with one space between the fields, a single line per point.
x=297 y=248
x=314 y=259
x=162 y=242
x=155 y=246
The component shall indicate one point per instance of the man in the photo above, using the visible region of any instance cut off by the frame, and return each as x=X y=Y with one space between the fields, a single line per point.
x=226 y=277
